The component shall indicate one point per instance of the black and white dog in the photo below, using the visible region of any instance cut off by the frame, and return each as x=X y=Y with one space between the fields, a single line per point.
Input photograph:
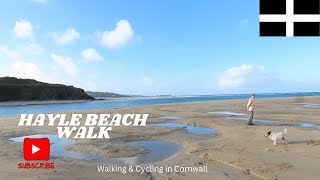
x=277 y=136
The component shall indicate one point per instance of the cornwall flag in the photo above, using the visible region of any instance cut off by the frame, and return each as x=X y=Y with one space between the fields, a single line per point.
x=289 y=18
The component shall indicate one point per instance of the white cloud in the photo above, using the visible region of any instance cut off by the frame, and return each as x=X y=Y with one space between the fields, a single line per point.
x=67 y=37
x=66 y=64
x=25 y=70
x=119 y=36
x=91 y=54
x=236 y=77
x=20 y=69
x=11 y=54
x=40 y=1
x=147 y=81
x=30 y=70
x=23 y=29
x=33 y=49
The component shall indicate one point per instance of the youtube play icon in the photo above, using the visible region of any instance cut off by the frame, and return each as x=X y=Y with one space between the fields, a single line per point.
x=36 y=149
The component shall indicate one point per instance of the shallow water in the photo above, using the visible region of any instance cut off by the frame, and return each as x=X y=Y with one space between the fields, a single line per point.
x=227 y=113
x=190 y=129
x=158 y=150
x=312 y=105
x=307 y=124
x=171 y=117
x=297 y=108
x=254 y=120
x=79 y=106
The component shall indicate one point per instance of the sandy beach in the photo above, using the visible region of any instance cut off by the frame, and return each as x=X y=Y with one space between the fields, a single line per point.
x=235 y=151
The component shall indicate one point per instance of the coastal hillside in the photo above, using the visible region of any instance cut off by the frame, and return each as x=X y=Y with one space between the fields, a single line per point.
x=97 y=94
x=106 y=94
x=14 y=89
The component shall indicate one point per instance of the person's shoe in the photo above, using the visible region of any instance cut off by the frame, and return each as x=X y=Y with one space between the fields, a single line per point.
x=250 y=124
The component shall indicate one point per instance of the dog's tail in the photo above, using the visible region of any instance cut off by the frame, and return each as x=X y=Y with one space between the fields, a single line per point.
x=285 y=131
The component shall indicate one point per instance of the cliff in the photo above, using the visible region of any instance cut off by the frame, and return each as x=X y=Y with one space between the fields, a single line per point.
x=14 y=89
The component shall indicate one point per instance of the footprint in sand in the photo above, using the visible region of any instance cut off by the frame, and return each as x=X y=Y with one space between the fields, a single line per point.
x=313 y=142
x=246 y=172
x=285 y=166
x=226 y=174
x=146 y=175
x=199 y=163
x=168 y=176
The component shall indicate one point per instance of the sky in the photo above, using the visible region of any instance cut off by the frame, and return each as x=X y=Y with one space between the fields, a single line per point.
x=158 y=47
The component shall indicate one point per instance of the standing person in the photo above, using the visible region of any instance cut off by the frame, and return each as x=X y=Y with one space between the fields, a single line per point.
x=250 y=108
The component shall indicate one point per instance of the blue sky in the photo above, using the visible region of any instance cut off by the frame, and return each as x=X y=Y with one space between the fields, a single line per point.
x=153 y=47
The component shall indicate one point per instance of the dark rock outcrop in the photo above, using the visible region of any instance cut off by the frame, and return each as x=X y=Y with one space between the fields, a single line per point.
x=14 y=89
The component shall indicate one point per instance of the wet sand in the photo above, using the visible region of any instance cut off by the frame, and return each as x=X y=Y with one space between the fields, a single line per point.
x=236 y=151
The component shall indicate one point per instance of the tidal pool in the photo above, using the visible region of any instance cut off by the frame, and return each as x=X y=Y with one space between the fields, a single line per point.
x=307 y=124
x=297 y=108
x=254 y=120
x=190 y=129
x=158 y=150
x=312 y=105
x=171 y=117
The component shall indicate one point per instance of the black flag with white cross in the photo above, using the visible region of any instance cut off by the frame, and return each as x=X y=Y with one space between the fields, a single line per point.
x=289 y=18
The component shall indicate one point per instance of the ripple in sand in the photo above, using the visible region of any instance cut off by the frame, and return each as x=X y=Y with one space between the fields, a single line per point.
x=227 y=113
x=299 y=124
x=158 y=150
x=190 y=129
